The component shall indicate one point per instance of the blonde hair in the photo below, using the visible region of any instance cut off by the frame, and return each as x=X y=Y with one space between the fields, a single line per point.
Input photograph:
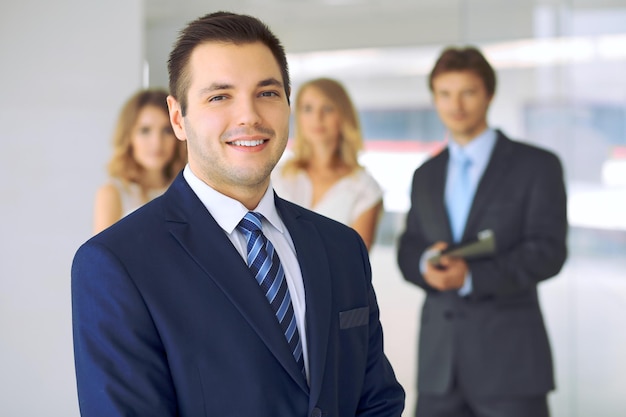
x=351 y=140
x=122 y=165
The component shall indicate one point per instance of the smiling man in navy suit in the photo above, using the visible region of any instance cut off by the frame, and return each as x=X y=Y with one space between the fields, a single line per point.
x=219 y=298
x=483 y=347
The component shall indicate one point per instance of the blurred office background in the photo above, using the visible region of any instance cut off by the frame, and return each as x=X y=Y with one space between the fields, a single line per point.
x=67 y=65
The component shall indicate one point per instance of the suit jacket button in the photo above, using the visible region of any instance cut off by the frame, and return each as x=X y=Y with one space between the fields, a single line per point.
x=316 y=412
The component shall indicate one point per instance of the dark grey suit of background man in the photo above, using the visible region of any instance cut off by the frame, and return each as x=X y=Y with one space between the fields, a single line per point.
x=483 y=347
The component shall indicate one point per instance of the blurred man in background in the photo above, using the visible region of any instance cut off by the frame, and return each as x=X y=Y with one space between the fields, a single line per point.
x=483 y=347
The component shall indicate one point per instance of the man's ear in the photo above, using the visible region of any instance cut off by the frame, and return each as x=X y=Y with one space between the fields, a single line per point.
x=176 y=118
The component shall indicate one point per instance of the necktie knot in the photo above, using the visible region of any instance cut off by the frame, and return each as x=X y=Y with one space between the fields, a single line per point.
x=250 y=223
x=462 y=160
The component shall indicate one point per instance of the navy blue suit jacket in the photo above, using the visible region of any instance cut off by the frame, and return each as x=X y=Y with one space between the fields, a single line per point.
x=492 y=343
x=168 y=321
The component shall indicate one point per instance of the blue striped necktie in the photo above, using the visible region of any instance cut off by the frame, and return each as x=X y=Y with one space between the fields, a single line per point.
x=266 y=267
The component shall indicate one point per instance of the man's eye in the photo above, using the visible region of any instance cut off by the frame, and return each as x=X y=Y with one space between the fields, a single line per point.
x=269 y=94
x=217 y=98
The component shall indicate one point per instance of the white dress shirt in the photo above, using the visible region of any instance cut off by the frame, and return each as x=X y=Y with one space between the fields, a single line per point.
x=228 y=212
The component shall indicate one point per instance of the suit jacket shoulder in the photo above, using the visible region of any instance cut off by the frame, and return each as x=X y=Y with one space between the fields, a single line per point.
x=523 y=150
x=434 y=163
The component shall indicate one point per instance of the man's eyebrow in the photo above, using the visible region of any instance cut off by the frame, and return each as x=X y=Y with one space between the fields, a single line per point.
x=215 y=87
x=270 y=82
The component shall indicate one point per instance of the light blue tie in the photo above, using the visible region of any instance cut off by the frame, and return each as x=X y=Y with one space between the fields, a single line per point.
x=266 y=267
x=460 y=196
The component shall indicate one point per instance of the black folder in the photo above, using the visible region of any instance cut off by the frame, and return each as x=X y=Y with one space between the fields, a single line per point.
x=483 y=245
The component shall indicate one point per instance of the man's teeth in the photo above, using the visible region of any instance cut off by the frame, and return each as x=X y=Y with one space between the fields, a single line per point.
x=247 y=142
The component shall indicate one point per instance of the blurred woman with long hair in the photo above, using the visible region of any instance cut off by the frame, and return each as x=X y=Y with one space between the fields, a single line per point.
x=324 y=173
x=146 y=158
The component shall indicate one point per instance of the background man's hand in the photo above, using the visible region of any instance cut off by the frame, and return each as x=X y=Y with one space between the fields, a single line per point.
x=448 y=274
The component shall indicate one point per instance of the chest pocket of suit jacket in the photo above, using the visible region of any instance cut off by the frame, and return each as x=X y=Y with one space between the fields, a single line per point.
x=505 y=219
x=354 y=318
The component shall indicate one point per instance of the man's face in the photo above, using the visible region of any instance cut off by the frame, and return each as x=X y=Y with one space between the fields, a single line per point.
x=237 y=121
x=462 y=101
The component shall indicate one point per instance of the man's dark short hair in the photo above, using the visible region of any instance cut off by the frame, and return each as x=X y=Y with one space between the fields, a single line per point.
x=465 y=59
x=222 y=27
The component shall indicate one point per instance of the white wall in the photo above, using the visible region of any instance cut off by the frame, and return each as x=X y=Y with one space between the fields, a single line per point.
x=159 y=42
x=66 y=67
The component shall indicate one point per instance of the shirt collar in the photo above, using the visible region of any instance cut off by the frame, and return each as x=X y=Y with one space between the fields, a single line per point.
x=227 y=211
x=478 y=149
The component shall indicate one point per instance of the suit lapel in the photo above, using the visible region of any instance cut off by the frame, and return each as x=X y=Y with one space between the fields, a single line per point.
x=205 y=241
x=495 y=171
x=316 y=276
x=436 y=191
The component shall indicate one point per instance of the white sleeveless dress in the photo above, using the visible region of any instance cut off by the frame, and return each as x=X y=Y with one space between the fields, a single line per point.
x=130 y=195
x=345 y=201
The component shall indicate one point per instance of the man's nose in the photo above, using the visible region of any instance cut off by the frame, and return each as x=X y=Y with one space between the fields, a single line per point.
x=247 y=112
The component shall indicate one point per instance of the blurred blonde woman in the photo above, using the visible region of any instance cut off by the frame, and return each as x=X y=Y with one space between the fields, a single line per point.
x=146 y=158
x=324 y=174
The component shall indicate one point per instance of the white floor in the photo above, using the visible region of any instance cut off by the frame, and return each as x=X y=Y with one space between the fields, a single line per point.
x=585 y=311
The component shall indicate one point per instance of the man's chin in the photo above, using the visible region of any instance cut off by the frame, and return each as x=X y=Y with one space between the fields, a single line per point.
x=253 y=178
